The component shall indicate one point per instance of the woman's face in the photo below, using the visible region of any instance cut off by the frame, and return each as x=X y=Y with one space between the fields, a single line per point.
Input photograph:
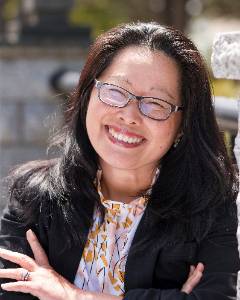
x=146 y=73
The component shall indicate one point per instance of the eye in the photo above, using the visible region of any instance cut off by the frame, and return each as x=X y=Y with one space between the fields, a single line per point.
x=116 y=92
x=156 y=104
x=113 y=95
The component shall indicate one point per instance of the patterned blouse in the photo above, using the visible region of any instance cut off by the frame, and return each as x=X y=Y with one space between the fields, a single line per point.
x=102 y=266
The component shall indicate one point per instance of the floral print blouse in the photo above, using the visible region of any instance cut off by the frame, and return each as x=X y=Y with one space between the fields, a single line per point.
x=102 y=266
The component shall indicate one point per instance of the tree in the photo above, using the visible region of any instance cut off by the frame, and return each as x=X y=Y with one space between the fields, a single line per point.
x=226 y=8
x=104 y=14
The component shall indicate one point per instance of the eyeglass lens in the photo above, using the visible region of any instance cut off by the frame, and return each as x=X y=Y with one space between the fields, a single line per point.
x=118 y=97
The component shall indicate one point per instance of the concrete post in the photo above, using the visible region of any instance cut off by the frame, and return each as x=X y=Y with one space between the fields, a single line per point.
x=226 y=64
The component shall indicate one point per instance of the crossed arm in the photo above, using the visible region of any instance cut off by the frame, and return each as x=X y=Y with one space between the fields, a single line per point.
x=46 y=284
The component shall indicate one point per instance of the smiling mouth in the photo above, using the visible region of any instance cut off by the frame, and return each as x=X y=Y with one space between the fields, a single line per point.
x=123 y=139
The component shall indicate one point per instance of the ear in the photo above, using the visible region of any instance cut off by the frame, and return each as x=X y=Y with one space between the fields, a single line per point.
x=179 y=135
x=177 y=139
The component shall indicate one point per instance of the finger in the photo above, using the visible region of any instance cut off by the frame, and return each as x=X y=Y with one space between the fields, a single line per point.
x=39 y=253
x=18 y=258
x=17 y=274
x=192 y=268
x=192 y=282
x=20 y=286
x=194 y=278
x=200 y=267
x=190 y=285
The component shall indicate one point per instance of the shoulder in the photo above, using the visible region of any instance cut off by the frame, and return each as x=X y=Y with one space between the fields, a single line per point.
x=29 y=187
x=226 y=221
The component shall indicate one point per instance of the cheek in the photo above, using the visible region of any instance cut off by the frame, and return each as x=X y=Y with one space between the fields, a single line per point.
x=94 y=107
x=165 y=133
x=91 y=119
x=97 y=114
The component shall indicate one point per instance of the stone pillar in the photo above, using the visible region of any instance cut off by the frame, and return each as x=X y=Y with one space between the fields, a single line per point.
x=226 y=64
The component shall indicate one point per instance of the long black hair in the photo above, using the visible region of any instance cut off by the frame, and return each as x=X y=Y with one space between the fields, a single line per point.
x=197 y=180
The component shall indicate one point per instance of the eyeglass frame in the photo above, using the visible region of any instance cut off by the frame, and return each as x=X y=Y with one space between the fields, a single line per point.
x=174 y=108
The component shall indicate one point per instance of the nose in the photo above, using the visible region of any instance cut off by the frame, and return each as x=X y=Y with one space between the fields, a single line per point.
x=130 y=114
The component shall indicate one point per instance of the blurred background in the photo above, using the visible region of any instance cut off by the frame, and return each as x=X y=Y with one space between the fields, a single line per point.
x=43 y=45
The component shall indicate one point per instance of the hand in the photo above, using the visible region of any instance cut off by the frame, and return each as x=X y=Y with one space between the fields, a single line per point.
x=36 y=277
x=194 y=278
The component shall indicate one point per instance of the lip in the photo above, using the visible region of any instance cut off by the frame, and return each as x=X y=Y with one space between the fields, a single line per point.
x=125 y=132
x=122 y=143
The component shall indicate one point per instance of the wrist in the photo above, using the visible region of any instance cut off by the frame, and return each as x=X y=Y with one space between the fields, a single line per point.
x=85 y=295
x=79 y=294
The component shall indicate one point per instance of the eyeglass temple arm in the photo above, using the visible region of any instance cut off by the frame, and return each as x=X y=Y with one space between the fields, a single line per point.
x=177 y=108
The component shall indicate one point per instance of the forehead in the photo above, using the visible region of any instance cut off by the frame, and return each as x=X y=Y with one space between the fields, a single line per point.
x=144 y=71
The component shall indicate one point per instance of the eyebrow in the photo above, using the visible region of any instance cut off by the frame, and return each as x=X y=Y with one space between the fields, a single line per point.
x=161 y=89
x=121 y=78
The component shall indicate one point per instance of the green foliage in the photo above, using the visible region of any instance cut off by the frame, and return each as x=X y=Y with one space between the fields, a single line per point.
x=10 y=9
x=224 y=87
x=222 y=8
x=99 y=15
x=104 y=14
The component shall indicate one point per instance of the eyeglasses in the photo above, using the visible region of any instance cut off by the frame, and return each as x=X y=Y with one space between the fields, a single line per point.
x=154 y=108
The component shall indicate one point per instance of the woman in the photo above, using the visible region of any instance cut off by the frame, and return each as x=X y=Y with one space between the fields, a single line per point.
x=143 y=191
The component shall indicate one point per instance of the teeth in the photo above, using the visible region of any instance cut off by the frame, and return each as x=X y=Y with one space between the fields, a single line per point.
x=122 y=137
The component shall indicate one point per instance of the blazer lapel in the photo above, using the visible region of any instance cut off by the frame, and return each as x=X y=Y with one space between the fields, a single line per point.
x=65 y=260
x=141 y=258
x=66 y=263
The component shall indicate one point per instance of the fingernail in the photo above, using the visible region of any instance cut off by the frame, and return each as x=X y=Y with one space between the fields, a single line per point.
x=30 y=232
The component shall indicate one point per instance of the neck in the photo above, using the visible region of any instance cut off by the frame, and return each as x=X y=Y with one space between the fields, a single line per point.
x=124 y=185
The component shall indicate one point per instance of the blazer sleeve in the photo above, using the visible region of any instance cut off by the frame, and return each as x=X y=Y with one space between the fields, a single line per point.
x=13 y=237
x=219 y=254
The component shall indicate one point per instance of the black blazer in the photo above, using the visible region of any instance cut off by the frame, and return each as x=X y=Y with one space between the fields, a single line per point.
x=154 y=270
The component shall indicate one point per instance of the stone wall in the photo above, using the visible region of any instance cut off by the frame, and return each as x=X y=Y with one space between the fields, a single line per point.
x=29 y=109
x=226 y=64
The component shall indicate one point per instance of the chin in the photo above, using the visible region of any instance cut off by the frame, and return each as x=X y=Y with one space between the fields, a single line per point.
x=119 y=164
